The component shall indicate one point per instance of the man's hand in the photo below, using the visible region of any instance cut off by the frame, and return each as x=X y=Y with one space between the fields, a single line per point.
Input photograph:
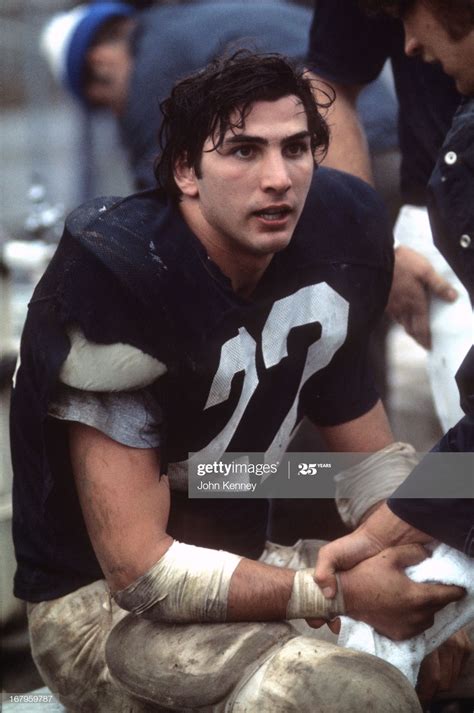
x=378 y=592
x=382 y=529
x=441 y=669
x=414 y=282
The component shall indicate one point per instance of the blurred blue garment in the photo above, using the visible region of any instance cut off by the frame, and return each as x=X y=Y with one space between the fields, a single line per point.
x=378 y=108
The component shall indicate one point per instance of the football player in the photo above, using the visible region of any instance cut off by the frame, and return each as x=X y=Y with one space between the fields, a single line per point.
x=206 y=316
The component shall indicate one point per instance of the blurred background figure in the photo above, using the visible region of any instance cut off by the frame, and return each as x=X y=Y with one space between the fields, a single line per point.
x=110 y=56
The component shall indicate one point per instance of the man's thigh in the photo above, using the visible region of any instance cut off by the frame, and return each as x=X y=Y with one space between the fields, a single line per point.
x=243 y=668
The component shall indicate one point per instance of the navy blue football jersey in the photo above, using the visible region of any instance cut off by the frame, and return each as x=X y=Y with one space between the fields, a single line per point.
x=240 y=373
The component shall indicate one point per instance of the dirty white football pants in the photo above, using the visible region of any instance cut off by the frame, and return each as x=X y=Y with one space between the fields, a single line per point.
x=98 y=659
x=451 y=323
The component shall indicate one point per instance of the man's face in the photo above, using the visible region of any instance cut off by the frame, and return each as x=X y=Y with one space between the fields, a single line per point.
x=109 y=65
x=425 y=35
x=253 y=188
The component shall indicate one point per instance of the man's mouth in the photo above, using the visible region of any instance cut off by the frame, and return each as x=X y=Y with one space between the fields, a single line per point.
x=274 y=213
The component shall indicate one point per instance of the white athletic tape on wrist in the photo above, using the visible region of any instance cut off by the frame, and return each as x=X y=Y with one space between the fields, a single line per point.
x=373 y=480
x=308 y=602
x=188 y=584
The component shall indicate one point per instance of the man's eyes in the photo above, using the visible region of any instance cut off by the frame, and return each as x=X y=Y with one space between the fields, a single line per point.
x=292 y=150
x=244 y=151
x=297 y=148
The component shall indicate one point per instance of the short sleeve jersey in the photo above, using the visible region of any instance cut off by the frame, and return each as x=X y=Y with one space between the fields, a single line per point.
x=240 y=373
x=128 y=417
x=349 y=47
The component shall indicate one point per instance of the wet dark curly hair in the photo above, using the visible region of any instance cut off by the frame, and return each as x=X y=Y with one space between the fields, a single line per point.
x=220 y=97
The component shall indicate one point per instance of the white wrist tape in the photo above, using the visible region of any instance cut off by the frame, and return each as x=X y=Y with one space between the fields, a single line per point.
x=308 y=602
x=188 y=584
x=372 y=480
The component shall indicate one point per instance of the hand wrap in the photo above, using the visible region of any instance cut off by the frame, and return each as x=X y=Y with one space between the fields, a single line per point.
x=187 y=584
x=373 y=480
x=308 y=602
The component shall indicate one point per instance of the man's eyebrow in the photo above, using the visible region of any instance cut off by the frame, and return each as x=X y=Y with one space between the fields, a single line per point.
x=298 y=136
x=248 y=139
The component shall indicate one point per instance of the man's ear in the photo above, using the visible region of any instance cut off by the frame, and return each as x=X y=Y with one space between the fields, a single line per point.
x=185 y=178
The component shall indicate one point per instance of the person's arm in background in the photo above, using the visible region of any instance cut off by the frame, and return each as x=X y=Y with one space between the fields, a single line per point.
x=346 y=52
x=348 y=149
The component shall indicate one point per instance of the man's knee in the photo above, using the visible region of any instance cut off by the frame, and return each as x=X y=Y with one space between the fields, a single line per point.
x=309 y=676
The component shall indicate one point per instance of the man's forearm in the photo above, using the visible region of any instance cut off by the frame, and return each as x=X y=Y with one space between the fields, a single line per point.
x=259 y=592
x=262 y=592
x=348 y=149
x=195 y=584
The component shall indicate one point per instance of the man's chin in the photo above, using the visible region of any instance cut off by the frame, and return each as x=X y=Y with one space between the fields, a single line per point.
x=273 y=242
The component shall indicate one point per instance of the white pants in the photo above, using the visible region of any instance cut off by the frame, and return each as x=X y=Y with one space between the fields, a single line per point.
x=451 y=323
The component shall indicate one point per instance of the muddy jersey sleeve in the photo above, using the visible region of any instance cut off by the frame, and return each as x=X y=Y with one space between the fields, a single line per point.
x=131 y=417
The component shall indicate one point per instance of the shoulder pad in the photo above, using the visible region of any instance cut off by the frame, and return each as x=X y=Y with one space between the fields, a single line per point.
x=107 y=367
x=80 y=218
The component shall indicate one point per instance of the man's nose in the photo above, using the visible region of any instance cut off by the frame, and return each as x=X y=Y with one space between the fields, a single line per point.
x=275 y=174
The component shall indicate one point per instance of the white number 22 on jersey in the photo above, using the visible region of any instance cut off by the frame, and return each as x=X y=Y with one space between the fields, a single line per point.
x=315 y=303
